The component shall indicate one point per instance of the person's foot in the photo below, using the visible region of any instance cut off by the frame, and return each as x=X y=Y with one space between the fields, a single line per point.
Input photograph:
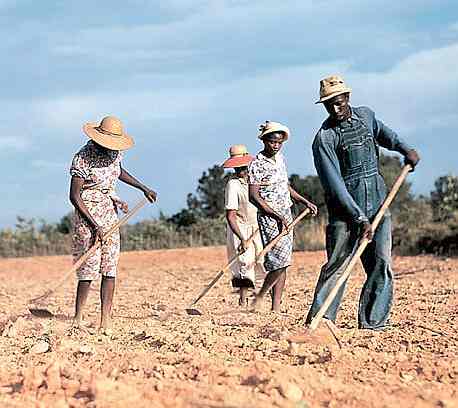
x=105 y=327
x=255 y=304
x=276 y=308
x=76 y=329
x=106 y=331
x=378 y=328
x=244 y=303
x=243 y=299
x=77 y=322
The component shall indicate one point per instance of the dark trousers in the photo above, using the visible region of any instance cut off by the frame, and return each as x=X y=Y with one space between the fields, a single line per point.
x=377 y=293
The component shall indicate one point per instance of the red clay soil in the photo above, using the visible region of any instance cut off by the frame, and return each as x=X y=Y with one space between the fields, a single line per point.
x=159 y=356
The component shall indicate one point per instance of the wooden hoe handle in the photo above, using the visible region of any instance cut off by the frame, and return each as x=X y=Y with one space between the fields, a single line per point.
x=361 y=247
x=114 y=228
x=262 y=253
x=92 y=250
x=221 y=272
x=291 y=226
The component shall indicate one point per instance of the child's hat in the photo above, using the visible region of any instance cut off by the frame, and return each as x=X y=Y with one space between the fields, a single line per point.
x=239 y=157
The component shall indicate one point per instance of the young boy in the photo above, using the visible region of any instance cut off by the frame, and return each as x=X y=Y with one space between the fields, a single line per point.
x=242 y=222
x=270 y=191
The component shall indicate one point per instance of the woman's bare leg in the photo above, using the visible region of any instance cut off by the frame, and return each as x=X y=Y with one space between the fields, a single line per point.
x=269 y=283
x=243 y=296
x=106 y=297
x=277 y=291
x=81 y=297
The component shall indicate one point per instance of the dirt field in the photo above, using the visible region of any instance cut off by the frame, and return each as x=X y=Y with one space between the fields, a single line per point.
x=161 y=357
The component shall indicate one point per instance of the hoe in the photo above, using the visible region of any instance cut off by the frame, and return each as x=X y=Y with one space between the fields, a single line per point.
x=36 y=304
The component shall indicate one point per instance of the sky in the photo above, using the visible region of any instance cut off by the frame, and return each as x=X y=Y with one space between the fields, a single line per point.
x=189 y=78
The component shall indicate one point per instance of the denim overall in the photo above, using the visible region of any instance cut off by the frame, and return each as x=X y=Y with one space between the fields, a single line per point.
x=353 y=145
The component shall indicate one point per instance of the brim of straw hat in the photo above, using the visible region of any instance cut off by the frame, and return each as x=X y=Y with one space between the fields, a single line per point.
x=330 y=96
x=241 y=161
x=276 y=129
x=110 y=141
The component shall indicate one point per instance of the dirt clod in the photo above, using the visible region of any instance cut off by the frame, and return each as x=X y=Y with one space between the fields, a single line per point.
x=160 y=356
x=290 y=391
x=40 y=347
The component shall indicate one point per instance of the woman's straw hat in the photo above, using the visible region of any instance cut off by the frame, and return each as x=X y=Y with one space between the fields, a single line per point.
x=332 y=86
x=109 y=133
x=271 y=127
x=239 y=157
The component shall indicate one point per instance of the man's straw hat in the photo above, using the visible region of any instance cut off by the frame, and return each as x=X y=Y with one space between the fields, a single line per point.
x=271 y=127
x=109 y=133
x=239 y=157
x=332 y=86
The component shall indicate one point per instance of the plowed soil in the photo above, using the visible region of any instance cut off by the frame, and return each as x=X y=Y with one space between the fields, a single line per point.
x=159 y=356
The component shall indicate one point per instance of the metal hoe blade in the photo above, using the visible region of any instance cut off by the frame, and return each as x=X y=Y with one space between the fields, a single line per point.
x=193 y=312
x=42 y=313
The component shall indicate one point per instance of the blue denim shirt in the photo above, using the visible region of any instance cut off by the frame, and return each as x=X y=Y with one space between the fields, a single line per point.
x=347 y=164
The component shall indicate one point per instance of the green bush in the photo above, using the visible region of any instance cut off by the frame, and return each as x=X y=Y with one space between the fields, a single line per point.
x=310 y=235
x=161 y=234
x=32 y=238
x=420 y=224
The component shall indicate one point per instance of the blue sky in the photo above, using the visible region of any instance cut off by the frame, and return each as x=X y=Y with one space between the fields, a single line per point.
x=191 y=77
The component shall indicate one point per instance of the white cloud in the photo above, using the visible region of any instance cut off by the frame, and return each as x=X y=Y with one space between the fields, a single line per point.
x=189 y=78
x=225 y=33
x=65 y=115
x=419 y=91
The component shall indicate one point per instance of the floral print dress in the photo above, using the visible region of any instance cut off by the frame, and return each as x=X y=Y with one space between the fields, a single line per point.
x=271 y=176
x=100 y=169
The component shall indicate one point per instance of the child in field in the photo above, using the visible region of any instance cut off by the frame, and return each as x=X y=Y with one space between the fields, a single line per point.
x=242 y=222
x=270 y=191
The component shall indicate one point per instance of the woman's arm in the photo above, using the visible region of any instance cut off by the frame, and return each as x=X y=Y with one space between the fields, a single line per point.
x=300 y=199
x=127 y=178
x=76 y=185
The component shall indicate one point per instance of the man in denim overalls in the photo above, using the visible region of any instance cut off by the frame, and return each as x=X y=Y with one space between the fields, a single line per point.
x=345 y=152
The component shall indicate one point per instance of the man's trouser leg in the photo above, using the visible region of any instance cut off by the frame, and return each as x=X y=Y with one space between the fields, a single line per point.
x=377 y=293
x=340 y=243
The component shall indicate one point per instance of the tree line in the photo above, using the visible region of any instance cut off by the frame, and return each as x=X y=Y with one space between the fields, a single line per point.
x=421 y=224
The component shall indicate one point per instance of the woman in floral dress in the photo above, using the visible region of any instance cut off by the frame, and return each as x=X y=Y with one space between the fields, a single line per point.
x=271 y=192
x=95 y=170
